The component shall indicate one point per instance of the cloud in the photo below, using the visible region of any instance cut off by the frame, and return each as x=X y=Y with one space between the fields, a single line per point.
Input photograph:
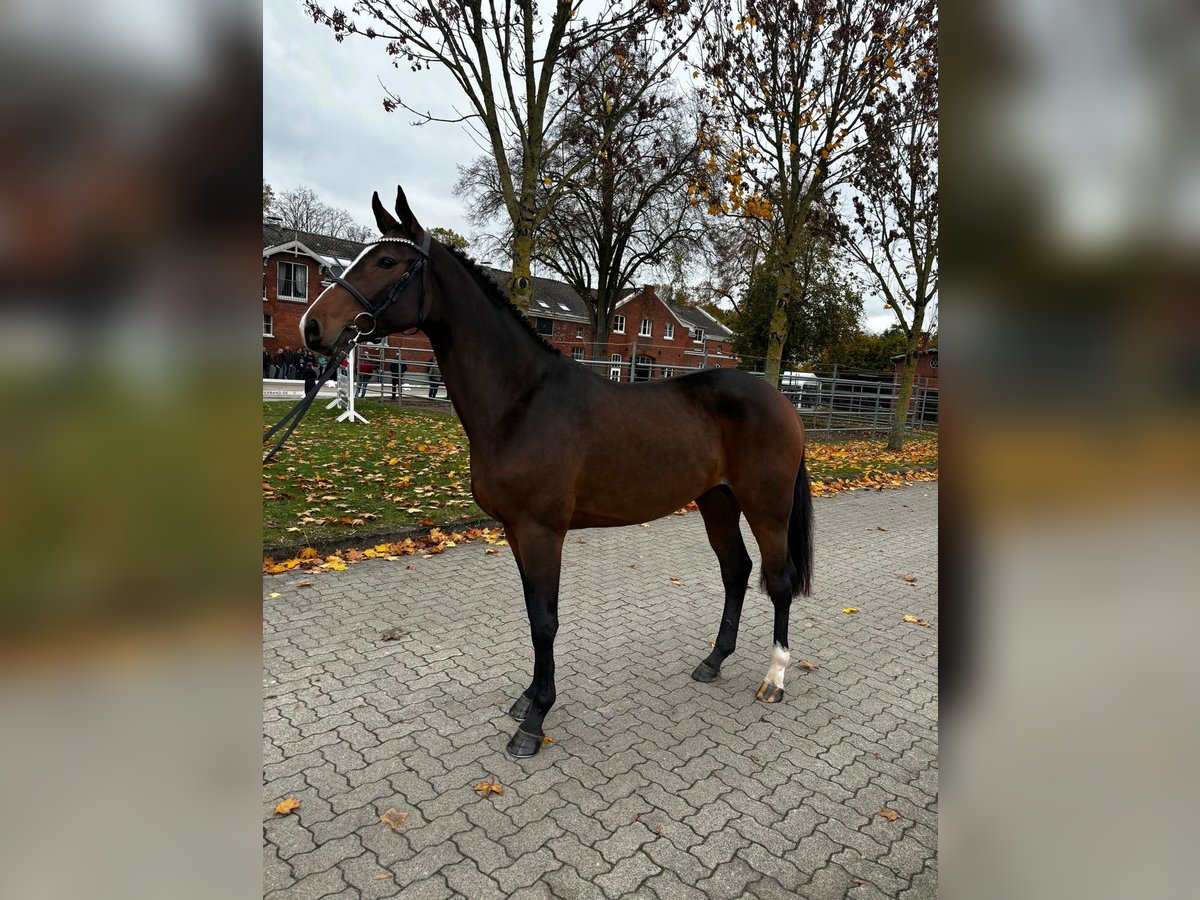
x=324 y=125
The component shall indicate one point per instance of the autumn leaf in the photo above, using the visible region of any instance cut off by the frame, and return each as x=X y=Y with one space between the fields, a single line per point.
x=911 y=579
x=491 y=551
x=303 y=584
x=393 y=634
x=384 y=876
x=917 y=621
x=308 y=553
x=394 y=819
x=547 y=740
x=890 y=814
x=486 y=788
x=644 y=525
x=275 y=595
x=283 y=807
x=807 y=664
x=850 y=609
x=676 y=582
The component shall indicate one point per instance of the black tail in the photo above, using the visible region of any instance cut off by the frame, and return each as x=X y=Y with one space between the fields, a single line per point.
x=800 y=534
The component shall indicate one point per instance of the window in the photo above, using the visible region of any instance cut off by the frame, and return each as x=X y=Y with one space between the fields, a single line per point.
x=579 y=333
x=545 y=326
x=646 y=329
x=618 y=324
x=293 y=281
x=614 y=371
x=268 y=325
x=698 y=335
x=667 y=371
x=670 y=331
x=577 y=354
x=264 y=287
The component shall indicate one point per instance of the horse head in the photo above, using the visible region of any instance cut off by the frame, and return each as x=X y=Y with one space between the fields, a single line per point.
x=385 y=289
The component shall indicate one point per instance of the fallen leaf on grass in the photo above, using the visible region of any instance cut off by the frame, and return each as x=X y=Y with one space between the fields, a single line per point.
x=484 y=788
x=394 y=819
x=283 y=807
x=676 y=582
x=850 y=609
x=890 y=814
x=806 y=664
x=917 y=621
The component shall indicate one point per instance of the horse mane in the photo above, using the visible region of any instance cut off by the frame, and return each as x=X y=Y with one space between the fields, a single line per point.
x=492 y=291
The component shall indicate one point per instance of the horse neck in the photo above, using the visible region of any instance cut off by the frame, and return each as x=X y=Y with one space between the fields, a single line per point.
x=488 y=359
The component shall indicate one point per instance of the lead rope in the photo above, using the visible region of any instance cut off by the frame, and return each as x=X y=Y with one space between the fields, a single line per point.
x=293 y=416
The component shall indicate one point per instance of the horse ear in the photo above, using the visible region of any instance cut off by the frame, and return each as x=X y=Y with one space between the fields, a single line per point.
x=383 y=218
x=407 y=220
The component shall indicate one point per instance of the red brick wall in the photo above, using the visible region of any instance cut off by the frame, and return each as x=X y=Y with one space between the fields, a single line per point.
x=927 y=372
x=286 y=314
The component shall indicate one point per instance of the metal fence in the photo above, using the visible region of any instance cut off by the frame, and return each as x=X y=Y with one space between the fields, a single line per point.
x=831 y=401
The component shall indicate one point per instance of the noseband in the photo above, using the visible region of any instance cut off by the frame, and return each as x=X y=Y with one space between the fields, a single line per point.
x=371 y=312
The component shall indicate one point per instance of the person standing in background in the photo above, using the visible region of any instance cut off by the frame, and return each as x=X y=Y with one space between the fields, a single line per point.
x=266 y=363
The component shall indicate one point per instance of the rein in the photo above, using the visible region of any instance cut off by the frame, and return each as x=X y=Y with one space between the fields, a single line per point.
x=293 y=416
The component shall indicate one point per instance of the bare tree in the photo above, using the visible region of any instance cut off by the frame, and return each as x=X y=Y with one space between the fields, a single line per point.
x=621 y=173
x=301 y=209
x=895 y=199
x=789 y=83
x=506 y=58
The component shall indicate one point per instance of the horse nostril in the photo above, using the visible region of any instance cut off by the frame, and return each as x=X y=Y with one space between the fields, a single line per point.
x=312 y=331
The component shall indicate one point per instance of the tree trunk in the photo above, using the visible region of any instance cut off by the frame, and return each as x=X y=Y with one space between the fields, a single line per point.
x=900 y=413
x=785 y=286
x=520 y=285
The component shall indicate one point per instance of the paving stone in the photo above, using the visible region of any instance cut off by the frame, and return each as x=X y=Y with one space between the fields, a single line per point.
x=627 y=875
x=669 y=792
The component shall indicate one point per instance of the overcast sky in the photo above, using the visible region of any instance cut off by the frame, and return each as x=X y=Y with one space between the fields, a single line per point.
x=324 y=126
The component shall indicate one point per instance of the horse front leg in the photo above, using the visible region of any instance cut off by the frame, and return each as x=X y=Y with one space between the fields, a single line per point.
x=540 y=564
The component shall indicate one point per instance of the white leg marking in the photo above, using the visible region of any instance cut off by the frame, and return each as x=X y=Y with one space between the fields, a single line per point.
x=779 y=662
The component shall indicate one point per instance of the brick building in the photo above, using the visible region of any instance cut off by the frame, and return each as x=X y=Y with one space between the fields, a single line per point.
x=657 y=336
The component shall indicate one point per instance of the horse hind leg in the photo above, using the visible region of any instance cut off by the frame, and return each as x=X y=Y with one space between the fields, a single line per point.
x=779 y=577
x=721 y=517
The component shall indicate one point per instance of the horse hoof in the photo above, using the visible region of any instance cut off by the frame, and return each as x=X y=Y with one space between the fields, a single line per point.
x=770 y=693
x=524 y=745
x=520 y=709
x=706 y=673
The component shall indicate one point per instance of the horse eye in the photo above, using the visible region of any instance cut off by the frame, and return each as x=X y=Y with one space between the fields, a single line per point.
x=387 y=262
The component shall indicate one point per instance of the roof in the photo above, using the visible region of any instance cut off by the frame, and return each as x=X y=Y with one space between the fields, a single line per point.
x=551 y=299
x=925 y=350
x=333 y=249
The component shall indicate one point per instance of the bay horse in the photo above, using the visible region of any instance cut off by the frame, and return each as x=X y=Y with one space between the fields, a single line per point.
x=555 y=446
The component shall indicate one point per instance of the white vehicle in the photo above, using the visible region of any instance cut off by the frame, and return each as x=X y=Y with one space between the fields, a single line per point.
x=798 y=386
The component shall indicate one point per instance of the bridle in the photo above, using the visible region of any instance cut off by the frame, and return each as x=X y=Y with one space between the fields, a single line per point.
x=372 y=312
x=356 y=332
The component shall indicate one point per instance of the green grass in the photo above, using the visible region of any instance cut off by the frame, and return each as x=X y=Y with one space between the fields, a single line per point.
x=336 y=482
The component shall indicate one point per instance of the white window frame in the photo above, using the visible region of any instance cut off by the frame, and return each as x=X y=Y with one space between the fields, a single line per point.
x=698 y=335
x=669 y=332
x=618 y=324
x=268 y=325
x=280 y=280
x=579 y=333
x=577 y=354
x=667 y=371
x=614 y=370
x=646 y=328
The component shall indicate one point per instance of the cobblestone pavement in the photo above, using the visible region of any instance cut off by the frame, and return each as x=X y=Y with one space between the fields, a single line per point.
x=656 y=786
